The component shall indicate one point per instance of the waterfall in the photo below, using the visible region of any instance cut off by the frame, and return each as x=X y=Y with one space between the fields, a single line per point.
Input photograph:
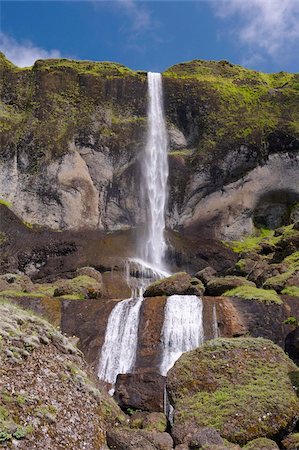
x=121 y=338
x=119 y=349
x=155 y=174
x=215 y=323
x=182 y=329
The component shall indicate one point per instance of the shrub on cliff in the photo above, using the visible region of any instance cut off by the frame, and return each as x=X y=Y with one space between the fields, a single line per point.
x=240 y=387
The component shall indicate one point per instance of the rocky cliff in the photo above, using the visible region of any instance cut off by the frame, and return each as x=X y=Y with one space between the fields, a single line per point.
x=72 y=135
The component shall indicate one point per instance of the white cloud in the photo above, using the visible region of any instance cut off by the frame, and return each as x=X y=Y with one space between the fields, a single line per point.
x=140 y=16
x=25 y=53
x=266 y=26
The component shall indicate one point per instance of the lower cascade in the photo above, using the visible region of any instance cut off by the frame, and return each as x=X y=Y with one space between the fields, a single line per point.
x=119 y=349
x=182 y=329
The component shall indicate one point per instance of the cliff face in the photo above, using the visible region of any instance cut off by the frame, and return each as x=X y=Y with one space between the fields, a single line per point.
x=72 y=135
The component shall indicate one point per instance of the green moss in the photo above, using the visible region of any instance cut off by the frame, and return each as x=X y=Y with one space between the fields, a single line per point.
x=291 y=321
x=248 y=105
x=292 y=291
x=5 y=203
x=261 y=443
x=238 y=386
x=250 y=243
x=72 y=297
x=252 y=293
x=12 y=293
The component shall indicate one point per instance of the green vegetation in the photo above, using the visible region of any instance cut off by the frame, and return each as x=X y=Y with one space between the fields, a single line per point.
x=244 y=105
x=5 y=203
x=293 y=291
x=250 y=243
x=238 y=386
x=252 y=293
x=12 y=293
x=291 y=321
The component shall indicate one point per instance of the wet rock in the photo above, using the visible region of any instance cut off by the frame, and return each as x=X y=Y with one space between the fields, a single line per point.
x=178 y=284
x=141 y=391
x=218 y=286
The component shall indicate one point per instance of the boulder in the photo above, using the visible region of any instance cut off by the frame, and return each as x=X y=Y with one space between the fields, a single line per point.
x=217 y=286
x=154 y=421
x=90 y=272
x=141 y=391
x=206 y=437
x=205 y=275
x=16 y=282
x=124 y=439
x=261 y=444
x=291 y=442
x=178 y=284
x=241 y=387
x=82 y=285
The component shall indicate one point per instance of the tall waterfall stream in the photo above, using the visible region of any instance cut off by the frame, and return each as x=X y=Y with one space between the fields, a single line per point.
x=182 y=329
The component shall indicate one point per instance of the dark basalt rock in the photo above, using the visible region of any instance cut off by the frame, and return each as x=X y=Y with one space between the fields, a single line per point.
x=178 y=284
x=142 y=391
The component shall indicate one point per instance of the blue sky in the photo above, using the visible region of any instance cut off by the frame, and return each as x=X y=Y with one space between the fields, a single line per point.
x=153 y=35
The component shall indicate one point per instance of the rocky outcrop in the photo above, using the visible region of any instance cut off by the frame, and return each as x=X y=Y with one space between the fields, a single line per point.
x=228 y=385
x=47 y=396
x=140 y=391
x=178 y=284
x=75 y=161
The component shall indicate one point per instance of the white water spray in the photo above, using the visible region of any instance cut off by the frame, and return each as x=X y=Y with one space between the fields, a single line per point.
x=155 y=174
x=182 y=329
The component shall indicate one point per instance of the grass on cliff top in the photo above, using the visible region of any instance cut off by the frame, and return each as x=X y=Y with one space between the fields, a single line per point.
x=240 y=387
x=267 y=296
x=214 y=70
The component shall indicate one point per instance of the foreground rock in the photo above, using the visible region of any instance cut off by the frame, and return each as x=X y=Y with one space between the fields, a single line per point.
x=125 y=439
x=47 y=399
x=240 y=387
x=141 y=391
x=178 y=284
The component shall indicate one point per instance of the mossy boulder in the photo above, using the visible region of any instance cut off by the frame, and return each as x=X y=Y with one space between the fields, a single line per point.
x=241 y=387
x=47 y=395
x=217 y=286
x=291 y=442
x=261 y=444
x=16 y=282
x=154 y=421
x=83 y=286
x=180 y=283
x=267 y=296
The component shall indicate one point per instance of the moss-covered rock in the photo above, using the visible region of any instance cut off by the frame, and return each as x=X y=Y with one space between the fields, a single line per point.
x=261 y=444
x=47 y=395
x=217 y=286
x=178 y=284
x=82 y=285
x=252 y=293
x=291 y=442
x=240 y=387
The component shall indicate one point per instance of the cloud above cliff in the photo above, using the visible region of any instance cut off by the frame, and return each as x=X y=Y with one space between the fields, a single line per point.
x=138 y=14
x=25 y=53
x=267 y=28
